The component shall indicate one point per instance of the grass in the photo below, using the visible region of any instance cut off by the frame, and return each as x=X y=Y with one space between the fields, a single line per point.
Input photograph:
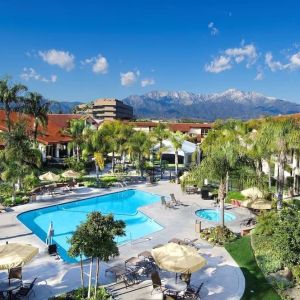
x=234 y=195
x=257 y=287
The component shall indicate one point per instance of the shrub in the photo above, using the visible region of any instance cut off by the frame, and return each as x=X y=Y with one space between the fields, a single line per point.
x=77 y=295
x=6 y=190
x=75 y=165
x=30 y=181
x=296 y=273
x=218 y=235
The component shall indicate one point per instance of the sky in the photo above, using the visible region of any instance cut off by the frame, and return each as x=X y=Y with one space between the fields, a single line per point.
x=83 y=50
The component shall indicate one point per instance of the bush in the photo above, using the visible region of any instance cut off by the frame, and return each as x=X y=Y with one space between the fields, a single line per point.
x=30 y=181
x=218 y=235
x=77 y=294
x=6 y=190
x=75 y=165
x=296 y=273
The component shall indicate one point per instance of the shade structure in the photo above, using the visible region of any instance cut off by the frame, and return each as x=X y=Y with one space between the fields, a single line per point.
x=15 y=255
x=259 y=204
x=178 y=258
x=70 y=174
x=253 y=193
x=49 y=176
x=50 y=234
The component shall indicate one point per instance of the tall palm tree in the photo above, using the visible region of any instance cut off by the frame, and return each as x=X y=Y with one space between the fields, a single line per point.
x=223 y=153
x=281 y=136
x=10 y=94
x=76 y=132
x=160 y=133
x=177 y=140
x=39 y=109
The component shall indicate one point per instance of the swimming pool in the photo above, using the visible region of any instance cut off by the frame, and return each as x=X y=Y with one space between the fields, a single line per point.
x=214 y=215
x=65 y=217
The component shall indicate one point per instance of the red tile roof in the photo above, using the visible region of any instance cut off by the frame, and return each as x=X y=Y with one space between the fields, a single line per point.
x=52 y=134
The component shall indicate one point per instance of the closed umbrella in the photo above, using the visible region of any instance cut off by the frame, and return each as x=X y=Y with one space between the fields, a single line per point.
x=50 y=234
x=259 y=204
x=70 y=174
x=49 y=176
x=178 y=258
x=15 y=255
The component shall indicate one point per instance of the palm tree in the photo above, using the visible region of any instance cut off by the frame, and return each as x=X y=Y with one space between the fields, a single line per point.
x=18 y=157
x=10 y=94
x=139 y=147
x=223 y=153
x=281 y=136
x=76 y=132
x=177 y=140
x=160 y=133
x=39 y=109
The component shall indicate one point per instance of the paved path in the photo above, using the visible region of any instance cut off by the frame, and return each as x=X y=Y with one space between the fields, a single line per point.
x=221 y=277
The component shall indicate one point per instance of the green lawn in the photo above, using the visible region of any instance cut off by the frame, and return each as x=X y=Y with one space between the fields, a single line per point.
x=257 y=287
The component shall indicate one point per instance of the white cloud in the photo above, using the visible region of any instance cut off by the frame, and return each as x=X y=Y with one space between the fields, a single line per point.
x=294 y=62
x=147 y=81
x=99 y=64
x=213 y=29
x=259 y=75
x=63 y=59
x=30 y=73
x=129 y=78
x=230 y=56
x=219 y=64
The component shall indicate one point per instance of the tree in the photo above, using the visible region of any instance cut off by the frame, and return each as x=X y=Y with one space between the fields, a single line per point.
x=39 y=109
x=76 y=131
x=281 y=137
x=18 y=157
x=10 y=94
x=223 y=153
x=160 y=133
x=177 y=140
x=95 y=238
x=139 y=145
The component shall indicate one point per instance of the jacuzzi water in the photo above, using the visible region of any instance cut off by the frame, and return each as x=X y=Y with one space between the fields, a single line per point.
x=214 y=215
x=65 y=217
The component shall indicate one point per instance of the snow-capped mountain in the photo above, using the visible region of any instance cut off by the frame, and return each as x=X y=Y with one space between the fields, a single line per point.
x=231 y=103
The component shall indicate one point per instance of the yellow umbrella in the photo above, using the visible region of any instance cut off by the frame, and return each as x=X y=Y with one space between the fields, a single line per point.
x=259 y=204
x=70 y=174
x=178 y=258
x=15 y=255
x=49 y=176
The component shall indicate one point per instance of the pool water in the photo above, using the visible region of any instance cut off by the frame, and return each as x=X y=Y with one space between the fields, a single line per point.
x=214 y=215
x=65 y=217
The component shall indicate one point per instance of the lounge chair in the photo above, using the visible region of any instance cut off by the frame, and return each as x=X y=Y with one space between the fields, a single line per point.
x=15 y=273
x=174 y=200
x=156 y=282
x=26 y=289
x=117 y=271
x=248 y=222
x=192 y=292
x=176 y=241
x=165 y=203
x=145 y=254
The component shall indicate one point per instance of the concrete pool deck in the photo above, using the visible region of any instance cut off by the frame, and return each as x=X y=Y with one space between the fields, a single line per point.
x=221 y=276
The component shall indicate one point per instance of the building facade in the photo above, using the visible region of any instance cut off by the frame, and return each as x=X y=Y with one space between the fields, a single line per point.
x=107 y=109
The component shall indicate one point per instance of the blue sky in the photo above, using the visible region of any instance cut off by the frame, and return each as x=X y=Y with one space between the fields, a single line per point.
x=82 y=50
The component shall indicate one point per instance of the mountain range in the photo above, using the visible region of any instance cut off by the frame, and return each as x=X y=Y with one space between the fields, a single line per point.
x=229 y=104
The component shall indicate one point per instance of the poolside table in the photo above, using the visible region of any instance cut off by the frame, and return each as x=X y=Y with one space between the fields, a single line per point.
x=7 y=288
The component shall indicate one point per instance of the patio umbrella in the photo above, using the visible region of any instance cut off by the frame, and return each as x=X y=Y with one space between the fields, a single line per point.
x=178 y=258
x=252 y=193
x=259 y=204
x=49 y=176
x=70 y=174
x=15 y=255
x=50 y=234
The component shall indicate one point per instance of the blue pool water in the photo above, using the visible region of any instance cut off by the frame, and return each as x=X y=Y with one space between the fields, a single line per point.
x=214 y=215
x=65 y=217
